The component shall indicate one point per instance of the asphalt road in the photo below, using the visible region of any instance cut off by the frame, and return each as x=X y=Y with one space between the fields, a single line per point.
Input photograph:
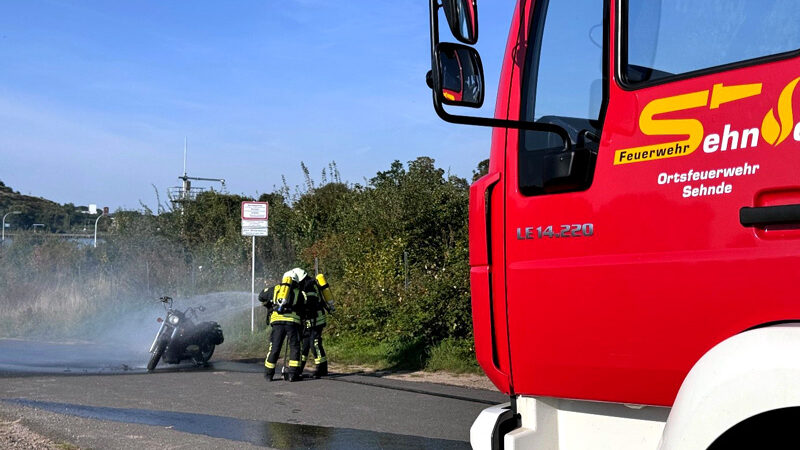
x=231 y=405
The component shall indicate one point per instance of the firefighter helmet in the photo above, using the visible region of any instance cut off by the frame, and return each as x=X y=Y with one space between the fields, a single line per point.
x=298 y=274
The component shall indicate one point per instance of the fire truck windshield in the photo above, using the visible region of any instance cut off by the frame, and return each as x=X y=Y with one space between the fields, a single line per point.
x=657 y=34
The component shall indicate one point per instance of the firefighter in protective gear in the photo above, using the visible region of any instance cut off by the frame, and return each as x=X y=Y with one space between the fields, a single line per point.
x=265 y=297
x=286 y=309
x=317 y=304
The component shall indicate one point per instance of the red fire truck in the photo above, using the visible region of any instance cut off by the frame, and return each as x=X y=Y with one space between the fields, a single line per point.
x=635 y=245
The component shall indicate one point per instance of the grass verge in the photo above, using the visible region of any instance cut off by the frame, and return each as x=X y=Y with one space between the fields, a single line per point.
x=359 y=351
x=453 y=355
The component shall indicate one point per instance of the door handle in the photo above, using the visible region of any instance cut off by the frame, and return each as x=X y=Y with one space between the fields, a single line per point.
x=478 y=227
x=769 y=215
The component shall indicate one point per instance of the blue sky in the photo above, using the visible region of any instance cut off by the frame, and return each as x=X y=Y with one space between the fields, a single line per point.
x=96 y=96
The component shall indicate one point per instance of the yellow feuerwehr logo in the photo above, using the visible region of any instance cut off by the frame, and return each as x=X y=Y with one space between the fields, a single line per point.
x=691 y=130
x=772 y=131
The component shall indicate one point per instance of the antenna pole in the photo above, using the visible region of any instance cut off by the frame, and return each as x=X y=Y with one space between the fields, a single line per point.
x=184 y=156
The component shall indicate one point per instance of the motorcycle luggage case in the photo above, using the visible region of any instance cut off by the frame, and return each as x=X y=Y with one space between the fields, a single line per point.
x=214 y=330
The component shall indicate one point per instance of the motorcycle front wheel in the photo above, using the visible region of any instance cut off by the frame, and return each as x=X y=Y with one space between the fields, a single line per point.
x=156 y=356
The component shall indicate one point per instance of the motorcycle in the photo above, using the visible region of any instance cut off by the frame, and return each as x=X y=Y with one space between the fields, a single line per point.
x=180 y=338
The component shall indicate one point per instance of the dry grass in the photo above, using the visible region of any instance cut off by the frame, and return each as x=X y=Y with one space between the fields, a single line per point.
x=51 y=312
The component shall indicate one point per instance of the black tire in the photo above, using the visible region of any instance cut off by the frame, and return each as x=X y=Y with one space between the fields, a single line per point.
x=156 y=356
x=206 y=351
x=775 y=429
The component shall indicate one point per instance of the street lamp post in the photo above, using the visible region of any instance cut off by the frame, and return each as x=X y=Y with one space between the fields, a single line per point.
x=95 y=227
x=4 y=222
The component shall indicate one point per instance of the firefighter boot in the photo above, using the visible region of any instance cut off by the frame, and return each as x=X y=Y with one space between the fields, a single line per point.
x=302 y=367
x=292 y=376
x=268 y=373
x=321 y=370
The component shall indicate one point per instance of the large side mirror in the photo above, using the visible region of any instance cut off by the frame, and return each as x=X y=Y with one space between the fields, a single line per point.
x=460 y=75
x=462 y=16
x=456 y=75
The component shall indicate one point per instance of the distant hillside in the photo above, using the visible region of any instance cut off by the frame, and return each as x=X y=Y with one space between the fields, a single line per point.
x=56 y=218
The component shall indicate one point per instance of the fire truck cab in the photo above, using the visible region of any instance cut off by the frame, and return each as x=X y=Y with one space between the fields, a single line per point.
x=635 y=245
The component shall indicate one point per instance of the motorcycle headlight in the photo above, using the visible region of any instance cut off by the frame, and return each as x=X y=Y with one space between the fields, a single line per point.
x=174 y=320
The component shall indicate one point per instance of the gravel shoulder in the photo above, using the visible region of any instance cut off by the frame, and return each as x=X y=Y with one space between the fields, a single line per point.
x=34 y=428
x=14 y=435
x=468 y=380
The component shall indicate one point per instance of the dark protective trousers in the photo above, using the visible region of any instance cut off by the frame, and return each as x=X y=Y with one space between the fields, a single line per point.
x=291 y=332
x=312 y=340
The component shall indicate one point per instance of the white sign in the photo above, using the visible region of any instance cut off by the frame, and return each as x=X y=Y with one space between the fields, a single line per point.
x=255 y=227
x=254 y=218
x=254 y=210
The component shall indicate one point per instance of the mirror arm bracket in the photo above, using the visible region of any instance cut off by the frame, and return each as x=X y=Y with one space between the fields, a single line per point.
x=434 y=22
x=501 y=123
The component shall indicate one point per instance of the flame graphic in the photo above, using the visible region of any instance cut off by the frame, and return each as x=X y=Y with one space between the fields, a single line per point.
x=775 y=132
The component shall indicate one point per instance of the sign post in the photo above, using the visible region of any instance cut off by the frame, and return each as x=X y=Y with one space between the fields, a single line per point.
x=254 y=223
x=253 y=288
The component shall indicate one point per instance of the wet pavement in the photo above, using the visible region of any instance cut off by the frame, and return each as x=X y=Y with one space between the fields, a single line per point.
x=228 y=405
x=268 y=434
x=27 y=357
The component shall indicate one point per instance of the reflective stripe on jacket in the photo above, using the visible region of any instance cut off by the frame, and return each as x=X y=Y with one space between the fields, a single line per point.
x=278 y=317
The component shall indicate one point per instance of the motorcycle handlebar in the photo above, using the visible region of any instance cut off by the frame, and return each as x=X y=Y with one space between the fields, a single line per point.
x=193 y=310
x=166 y=301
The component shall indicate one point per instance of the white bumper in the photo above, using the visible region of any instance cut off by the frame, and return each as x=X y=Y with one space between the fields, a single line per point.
x=555 y=424
x=747 y=374
x=485 y=433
